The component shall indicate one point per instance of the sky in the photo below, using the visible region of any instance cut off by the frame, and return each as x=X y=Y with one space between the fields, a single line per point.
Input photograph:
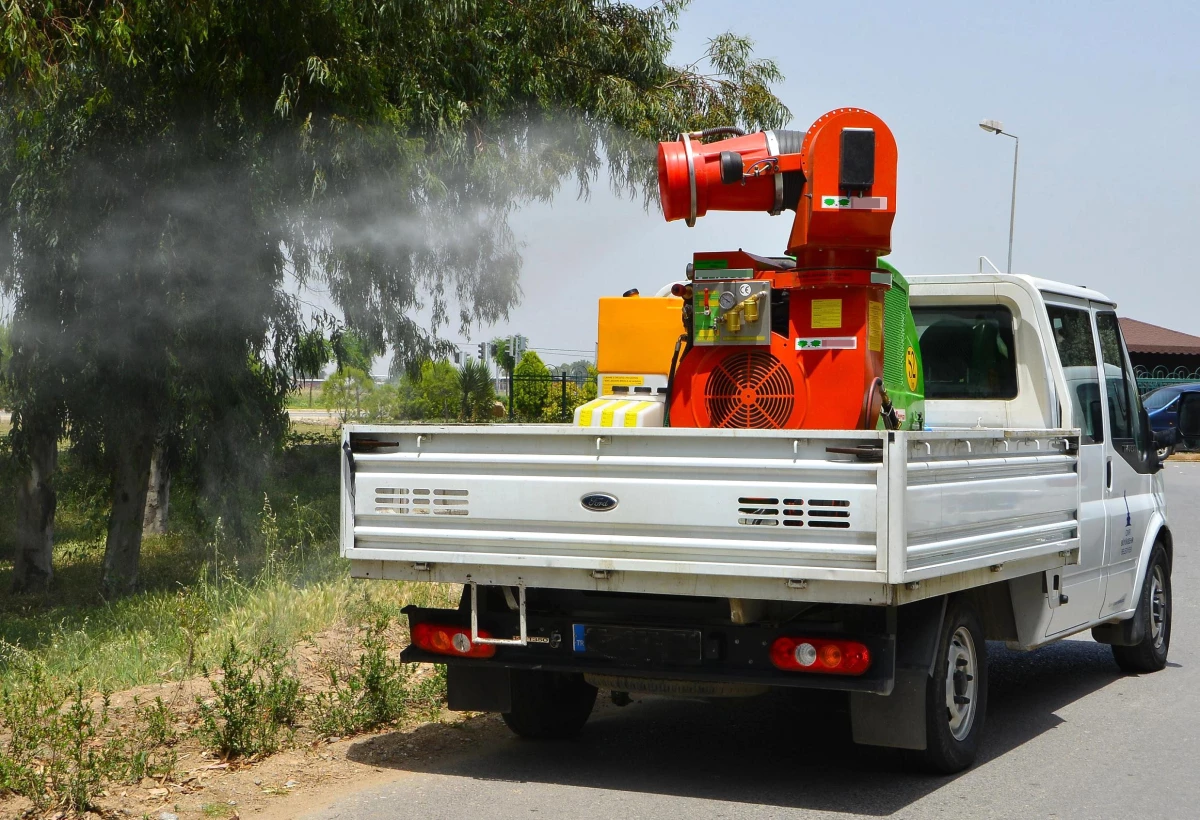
x=1104 y=96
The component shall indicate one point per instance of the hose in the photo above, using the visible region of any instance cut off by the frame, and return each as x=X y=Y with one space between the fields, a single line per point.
x=671 y=380
x=720 y=129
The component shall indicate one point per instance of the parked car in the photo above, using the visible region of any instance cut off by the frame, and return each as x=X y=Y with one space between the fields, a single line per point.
x=1162 y=407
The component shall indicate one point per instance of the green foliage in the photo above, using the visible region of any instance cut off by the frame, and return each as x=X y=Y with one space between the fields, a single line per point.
x=475 y=391
x=531 y=387
x=350 y=350
x=57 y=748
x=552 y=411
x=372 y=694
x=257 y=697
x=437 y=392
x=346 y=391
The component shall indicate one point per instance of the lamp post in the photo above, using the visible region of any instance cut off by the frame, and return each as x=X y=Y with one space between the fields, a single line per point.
x=997 y=127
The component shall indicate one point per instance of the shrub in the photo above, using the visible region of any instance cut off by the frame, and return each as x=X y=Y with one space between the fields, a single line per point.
x=373 y=694
x=55 y=753
x=257 y=697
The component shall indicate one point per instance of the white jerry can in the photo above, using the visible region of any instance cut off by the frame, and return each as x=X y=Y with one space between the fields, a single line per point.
x=625 y=407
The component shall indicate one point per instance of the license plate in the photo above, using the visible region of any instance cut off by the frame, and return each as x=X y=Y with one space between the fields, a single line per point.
x=631 y=644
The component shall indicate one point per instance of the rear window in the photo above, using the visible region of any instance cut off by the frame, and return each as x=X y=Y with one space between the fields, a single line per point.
x=1159 y=398
x=967 y=352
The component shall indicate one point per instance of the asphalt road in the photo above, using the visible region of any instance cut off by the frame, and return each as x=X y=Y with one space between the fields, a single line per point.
x=1067 y=737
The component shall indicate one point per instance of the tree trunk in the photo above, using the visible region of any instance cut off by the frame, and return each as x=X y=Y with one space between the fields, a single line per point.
x=158 y=493
x=36 y=504
x=131 y=476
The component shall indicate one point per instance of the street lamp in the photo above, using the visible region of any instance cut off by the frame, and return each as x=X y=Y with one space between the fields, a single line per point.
x=997 y=127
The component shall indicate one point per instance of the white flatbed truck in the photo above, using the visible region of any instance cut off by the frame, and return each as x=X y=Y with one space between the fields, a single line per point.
x=719 y=562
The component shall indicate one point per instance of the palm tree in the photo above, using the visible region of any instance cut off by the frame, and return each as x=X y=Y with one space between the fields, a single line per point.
x=474 y=386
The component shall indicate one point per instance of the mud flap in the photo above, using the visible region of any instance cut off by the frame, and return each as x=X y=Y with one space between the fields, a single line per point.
x=898 y=720
x=478 y=688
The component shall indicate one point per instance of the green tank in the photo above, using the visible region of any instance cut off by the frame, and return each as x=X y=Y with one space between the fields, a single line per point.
x=903 y=377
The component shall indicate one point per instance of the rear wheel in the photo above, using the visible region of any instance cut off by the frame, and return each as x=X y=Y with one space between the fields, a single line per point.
x=549 y=705
x=1150 y=655
x=956 y=694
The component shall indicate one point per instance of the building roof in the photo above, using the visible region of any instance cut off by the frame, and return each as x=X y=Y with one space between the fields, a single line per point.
x=1143 y=337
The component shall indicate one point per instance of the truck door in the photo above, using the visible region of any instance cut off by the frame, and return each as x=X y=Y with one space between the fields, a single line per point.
x=1128 y=493
x=1081 y=584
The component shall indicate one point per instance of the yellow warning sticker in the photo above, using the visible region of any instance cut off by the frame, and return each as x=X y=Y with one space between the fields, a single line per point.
x=875 y=326
x=609 y=382
x=631 y=415
x=606 y=415
x=585 y=412
x=826 y=313
x=910 y=368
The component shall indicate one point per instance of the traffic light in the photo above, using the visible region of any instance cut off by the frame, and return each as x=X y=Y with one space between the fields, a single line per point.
x=483 y=351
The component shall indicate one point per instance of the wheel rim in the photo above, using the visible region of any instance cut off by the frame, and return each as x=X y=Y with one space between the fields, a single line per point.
x=962 y=685
x=1159 y=605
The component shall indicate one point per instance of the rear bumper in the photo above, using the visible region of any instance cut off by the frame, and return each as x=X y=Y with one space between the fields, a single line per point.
x=728 y=653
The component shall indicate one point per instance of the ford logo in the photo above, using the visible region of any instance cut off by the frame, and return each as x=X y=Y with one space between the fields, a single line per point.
x=599 y=502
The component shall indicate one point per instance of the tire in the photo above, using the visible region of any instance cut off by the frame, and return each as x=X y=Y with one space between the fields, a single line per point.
x=1163 y=453
x=549 y=705
x=956 y=694
x=1154 y=605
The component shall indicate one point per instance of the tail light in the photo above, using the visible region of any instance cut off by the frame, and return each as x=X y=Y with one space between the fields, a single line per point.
x=451 y=640
x=830 y=657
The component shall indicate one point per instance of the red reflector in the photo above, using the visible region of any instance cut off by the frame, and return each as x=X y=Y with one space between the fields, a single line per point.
x=451 y=640
x=830 y=657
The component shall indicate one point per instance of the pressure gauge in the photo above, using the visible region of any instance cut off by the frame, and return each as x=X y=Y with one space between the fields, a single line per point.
x=728 y=300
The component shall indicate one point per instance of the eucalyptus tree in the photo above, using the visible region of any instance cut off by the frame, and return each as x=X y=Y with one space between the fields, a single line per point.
x=170 y=172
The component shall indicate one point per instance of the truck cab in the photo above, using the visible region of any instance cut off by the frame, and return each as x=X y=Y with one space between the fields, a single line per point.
x=1054 y=356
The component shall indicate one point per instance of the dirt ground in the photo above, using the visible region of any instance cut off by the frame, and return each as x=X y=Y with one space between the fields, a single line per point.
x=309 y=773
x=293 y=782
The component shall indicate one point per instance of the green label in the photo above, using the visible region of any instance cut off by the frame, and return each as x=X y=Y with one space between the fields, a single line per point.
x=722 y=274
x=710 y=264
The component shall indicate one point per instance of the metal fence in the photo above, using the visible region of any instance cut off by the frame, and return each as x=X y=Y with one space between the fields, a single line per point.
x=1160 y=376
x=559 y=383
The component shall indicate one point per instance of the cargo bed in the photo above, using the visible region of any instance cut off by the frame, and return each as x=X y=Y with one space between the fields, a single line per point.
x=867 y=517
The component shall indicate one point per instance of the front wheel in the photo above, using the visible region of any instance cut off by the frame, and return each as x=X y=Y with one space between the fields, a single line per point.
x=1150 y=655
x=549 y=705
x=956 y=694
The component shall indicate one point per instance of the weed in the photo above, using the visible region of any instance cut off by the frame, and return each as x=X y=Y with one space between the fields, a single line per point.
x=56 y=754
x=427 y=695
x=257 y=697
x=194 y=616
x=374 y=693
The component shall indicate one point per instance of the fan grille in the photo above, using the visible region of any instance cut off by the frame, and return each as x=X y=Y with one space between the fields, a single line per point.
x=750 y=389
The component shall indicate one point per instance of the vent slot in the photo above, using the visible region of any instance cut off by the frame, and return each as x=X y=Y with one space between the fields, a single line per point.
x=421 y=501
x=759 y=522
x=755 y=511
x=829 y=508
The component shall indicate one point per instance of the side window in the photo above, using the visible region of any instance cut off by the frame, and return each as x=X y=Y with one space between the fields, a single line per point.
x=1121 y=389
x=967 y=352
x=1077 y=351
